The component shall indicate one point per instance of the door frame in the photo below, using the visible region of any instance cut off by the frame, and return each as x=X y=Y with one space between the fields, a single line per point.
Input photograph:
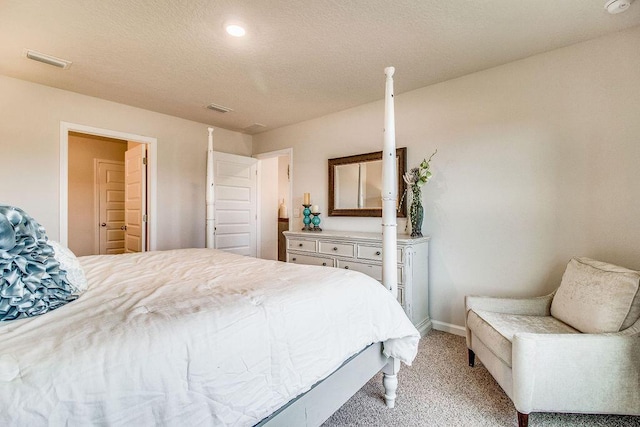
x=152 y=175
x=288 y=152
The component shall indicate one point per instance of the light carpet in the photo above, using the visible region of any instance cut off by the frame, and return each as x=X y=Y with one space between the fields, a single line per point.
x=440 y=389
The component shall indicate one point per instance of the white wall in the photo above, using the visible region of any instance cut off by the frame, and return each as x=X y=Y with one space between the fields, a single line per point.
x=538 y=160
x=283 y=183
x=30 y=116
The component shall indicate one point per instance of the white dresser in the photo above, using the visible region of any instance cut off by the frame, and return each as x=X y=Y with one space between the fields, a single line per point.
x=363 y=252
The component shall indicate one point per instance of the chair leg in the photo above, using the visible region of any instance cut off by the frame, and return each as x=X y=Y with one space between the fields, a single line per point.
x=472 y=358
x=523 y=419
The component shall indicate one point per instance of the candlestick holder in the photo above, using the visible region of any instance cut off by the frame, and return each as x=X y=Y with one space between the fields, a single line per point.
x=307 y=218
x=316 y=221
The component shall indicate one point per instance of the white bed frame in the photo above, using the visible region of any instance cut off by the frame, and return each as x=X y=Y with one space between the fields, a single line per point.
x=327 y=396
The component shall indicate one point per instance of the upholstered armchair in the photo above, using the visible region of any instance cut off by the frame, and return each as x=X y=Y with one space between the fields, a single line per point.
x=575 y=350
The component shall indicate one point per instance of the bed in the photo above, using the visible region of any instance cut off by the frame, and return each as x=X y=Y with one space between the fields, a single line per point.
x=191 y=337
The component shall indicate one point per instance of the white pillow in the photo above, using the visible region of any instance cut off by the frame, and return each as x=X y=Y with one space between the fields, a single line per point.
x=596 y=297
x=70 y=264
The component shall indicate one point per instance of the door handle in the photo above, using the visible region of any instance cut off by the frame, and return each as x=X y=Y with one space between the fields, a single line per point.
x=104 y=224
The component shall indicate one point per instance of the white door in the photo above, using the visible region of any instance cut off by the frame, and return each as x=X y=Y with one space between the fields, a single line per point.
x=234 y=195
x=111 y=188
x=135 y=200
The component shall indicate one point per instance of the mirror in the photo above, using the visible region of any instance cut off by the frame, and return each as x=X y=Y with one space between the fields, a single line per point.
x=355 y=184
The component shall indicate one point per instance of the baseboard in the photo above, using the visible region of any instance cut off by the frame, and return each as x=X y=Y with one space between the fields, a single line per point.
x=424 y=327
x=448 y=327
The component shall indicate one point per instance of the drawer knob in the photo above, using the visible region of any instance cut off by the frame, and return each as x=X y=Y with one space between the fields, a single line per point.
x=293 y=259
x=300 y=244
x=378 y=253
x=346 y=267
x=335 y=248
x=324 y=264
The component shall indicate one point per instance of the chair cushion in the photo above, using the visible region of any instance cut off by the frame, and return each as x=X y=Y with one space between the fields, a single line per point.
x=496 y=330
x=596 y=297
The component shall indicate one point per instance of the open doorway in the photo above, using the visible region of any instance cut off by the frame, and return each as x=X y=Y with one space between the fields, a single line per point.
x=274 y=202
x=96 y=194
x=107 y=195
x=107 y=191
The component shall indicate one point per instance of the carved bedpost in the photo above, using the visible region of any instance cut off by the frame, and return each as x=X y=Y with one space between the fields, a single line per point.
x=389 y=191
x=390 y=381
x=210 y=227
x=389 y=225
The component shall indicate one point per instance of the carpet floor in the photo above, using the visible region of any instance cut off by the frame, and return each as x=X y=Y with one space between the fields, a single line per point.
x=440 y=389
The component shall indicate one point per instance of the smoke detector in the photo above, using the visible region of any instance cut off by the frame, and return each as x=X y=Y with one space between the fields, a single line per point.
x=617 y=6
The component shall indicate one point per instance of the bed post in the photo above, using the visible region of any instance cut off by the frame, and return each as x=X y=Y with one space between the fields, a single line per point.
x=210 y=227
x=390 y=381
x=389 y=191
x=389 y=225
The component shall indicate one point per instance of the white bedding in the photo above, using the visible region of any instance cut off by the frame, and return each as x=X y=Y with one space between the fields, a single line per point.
x=191 y=337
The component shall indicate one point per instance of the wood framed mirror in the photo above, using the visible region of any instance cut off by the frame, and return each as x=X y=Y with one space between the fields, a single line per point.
x=355 y=184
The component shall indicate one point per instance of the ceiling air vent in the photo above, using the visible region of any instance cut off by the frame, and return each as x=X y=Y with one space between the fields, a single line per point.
x=254 y=128
x=219 y=108
x=47 y=59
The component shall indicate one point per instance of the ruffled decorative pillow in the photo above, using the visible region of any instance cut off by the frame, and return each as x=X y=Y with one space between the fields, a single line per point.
x=31 y=280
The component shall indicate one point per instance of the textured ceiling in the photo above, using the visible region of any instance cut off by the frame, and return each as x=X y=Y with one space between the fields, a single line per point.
x=300 y=59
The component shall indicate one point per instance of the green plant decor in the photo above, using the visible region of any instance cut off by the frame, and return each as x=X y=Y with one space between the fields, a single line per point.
x=415 y=179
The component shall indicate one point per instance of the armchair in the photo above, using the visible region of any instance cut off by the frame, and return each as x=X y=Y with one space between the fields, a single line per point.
x=575 y=350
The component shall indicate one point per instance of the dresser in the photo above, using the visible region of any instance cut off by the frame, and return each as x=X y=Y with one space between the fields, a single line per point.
x=363 y=252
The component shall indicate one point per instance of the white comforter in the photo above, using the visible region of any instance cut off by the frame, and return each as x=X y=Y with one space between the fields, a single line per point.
x=191 y=337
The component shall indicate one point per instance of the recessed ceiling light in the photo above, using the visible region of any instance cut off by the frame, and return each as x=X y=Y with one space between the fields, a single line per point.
x=235 y=30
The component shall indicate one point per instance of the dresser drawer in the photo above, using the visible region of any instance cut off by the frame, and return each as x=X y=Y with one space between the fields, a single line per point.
x=375 y=253
x=302 y=245
x=332 y=248
x=310 y=260
x=373 y=270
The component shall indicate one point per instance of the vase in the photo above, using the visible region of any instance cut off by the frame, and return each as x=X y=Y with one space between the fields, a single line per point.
x=416 y=212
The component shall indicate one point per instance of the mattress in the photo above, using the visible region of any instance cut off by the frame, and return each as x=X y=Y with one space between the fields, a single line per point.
x=191 y=337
